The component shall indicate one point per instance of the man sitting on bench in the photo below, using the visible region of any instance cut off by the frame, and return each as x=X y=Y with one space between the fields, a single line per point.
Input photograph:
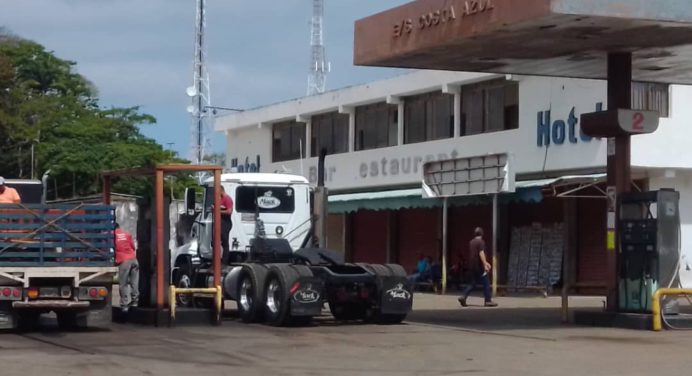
x=422 y=273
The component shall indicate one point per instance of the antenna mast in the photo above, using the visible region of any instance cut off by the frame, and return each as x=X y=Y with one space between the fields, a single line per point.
x=199 y=91
x=317 y=78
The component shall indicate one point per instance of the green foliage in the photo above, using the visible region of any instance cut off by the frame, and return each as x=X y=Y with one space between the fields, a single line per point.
x=47 y=106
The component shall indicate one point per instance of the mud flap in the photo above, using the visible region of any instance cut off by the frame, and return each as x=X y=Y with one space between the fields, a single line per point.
x=396 y=296
x=307 y=299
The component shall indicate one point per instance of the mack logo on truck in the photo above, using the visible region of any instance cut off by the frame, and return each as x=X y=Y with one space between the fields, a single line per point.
x=399 y=292
x=268 y=201
x=306 y=295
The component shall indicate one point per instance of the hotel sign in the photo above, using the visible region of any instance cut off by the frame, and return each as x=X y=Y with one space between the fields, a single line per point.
x=442 y=16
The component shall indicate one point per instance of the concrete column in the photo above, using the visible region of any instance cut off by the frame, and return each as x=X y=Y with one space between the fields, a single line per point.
x=456 y=91
x=307 y=148
x=400 y=117
x=351 y=112
x=457 y=114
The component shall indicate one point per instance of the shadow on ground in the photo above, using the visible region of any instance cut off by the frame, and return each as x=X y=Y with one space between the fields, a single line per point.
x=491 y=319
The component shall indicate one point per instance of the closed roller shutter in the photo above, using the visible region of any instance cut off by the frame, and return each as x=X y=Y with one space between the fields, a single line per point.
x=419 y=234
x=369 y=237
x=591 y=237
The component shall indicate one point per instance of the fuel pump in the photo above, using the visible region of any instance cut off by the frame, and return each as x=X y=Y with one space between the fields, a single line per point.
x=649 y=224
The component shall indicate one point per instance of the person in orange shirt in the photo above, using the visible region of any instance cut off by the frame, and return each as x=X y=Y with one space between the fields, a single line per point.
x=8 y=195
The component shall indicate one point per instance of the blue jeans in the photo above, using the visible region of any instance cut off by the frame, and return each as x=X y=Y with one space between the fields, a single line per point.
x=479 y=277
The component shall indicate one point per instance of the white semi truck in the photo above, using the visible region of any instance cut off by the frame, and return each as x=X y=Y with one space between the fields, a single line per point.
x=274 y=273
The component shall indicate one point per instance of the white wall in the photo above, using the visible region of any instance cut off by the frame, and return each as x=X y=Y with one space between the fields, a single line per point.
x=669 y=146
x=401 y=165
x=247 y=143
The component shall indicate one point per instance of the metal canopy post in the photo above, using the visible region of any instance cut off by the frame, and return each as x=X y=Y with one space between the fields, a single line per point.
x=619 y=175
x=159 y=240
x=445 y=243
x=216 y=213
x=495 y=245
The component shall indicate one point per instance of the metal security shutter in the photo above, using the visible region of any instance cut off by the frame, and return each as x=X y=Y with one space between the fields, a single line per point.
x=591 y=238
x=419 y=234
x=369 y=236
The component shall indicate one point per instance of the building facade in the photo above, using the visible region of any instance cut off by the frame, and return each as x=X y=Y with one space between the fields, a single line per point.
x=379 y=135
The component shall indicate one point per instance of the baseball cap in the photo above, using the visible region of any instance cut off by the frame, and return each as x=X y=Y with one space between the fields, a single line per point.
x=2 y=180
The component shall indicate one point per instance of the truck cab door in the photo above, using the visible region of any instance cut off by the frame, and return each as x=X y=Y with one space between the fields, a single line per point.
x=202 y=229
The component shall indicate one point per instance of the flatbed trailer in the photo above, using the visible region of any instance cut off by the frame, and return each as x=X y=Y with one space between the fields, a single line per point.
x=56 y=258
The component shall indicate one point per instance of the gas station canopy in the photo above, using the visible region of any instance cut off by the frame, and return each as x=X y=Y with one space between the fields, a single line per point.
x=567 y=38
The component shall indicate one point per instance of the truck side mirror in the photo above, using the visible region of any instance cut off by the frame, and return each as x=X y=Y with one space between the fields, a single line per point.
x=190 y=195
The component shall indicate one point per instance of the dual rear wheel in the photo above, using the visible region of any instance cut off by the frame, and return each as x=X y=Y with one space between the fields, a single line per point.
x=264 y=292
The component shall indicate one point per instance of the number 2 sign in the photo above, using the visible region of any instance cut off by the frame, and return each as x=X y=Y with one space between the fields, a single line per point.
x=633 y=121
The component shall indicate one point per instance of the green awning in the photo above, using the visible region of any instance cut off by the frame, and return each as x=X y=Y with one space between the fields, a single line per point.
x=394 y=200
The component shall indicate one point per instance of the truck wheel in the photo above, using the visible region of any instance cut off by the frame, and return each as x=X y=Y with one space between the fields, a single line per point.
x=388 y=270
x=277 y=305
x=183 y=281
x=250 y=292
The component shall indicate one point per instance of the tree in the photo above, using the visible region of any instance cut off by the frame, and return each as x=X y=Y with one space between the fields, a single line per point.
x=51 y=113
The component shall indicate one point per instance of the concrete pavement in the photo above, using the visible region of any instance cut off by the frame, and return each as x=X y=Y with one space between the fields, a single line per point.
x=440 y=338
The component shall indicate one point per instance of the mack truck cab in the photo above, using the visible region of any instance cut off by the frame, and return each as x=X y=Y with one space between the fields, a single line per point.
x=274 y=271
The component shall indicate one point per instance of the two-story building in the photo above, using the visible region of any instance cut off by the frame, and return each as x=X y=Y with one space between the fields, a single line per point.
x=378 y=136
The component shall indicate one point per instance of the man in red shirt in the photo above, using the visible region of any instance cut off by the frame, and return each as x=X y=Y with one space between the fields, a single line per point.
x=128 y=268
x=226 y=223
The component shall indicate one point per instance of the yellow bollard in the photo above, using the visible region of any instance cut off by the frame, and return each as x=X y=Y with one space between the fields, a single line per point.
x=656 y=304
x=171 y=299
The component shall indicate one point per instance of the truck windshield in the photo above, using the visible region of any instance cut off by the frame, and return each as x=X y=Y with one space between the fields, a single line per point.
x=265 y=199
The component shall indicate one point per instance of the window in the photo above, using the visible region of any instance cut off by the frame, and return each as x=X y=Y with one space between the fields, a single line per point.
x=249 y=199
x=376 y=126
x=329 y=131
x=288 y=140
x=489 y=107
x=428 y=117
x=651 y=97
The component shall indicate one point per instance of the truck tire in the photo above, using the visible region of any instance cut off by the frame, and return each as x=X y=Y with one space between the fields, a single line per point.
x=388 y=270
x=250 y=292
x=184 y=280
x=277 y=305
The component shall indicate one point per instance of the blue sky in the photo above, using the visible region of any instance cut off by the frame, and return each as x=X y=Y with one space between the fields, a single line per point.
x=139 y=52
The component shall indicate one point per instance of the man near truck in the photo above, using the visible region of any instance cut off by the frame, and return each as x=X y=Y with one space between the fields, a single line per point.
x=128 y=268
x=8 y=195
x=226 y=224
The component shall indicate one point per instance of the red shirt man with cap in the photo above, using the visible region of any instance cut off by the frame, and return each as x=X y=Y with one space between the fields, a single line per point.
x=128 y=268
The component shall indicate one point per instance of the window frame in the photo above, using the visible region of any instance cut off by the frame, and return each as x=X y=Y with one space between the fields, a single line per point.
x=325 y=128
x=507 y=118
x=290 y=133
x=428 y=109
x=370 y=131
